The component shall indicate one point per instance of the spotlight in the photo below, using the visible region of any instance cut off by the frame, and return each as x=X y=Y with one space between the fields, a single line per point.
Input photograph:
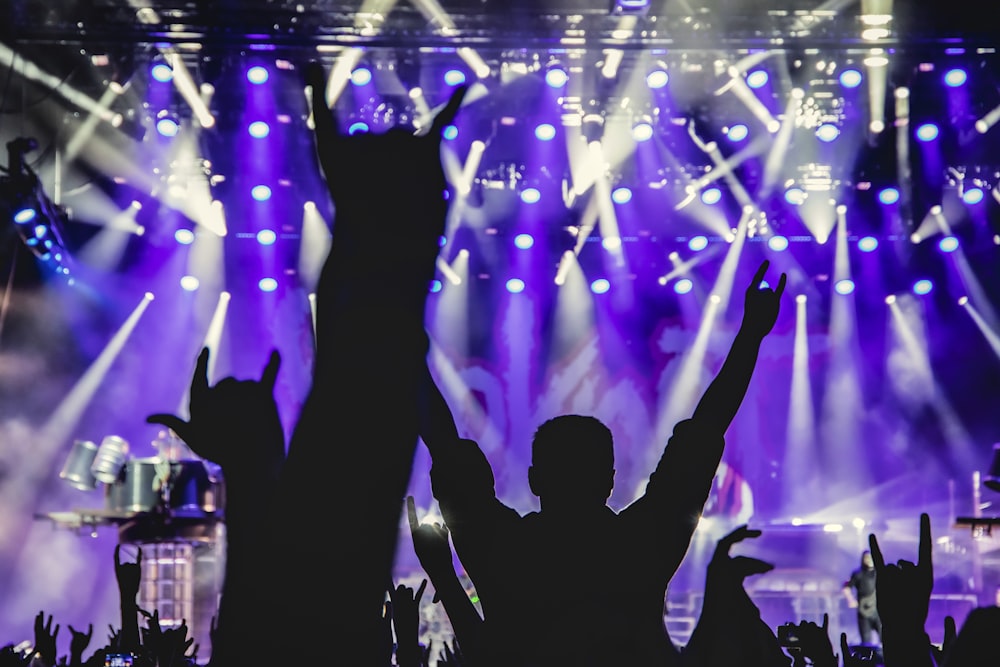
x=795 y=196
x=777 y=243
x=642 y=131
x=266 y=237
x=738 y=132
x=545 y=132
x=850 y=78
x=515 y=285
x=449 y=132
x=683 y=286
x=927 y=132
x=167 y=124
x=844 y=286
x=524 y=241
x=454 y=77
x=827 y=132
x=867 y=244
x=259 y=129
x=261 y=192
x=657 y=78
x=556 y=77
x=435 y=286
x=630 y=7
x=888 y=196
x=600 y=286
x=161 y=72
x=757 y=78
x=189 y=283
x=267 y=284
x=697 y=243
x=184 y=236
x=954 y=78
x=621 y=195
x=948 y=244
x=361 y=76
x=257 y=75
x=972 y=195
x=711 y=196
x=530 y=195
x=25 y=215
x=922 y=286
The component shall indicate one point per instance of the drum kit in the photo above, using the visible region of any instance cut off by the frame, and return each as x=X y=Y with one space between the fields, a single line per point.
x=173 y=495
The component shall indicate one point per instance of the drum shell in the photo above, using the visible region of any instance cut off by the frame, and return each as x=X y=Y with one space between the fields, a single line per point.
x=192 y=488
x=110 y=459
x=76 y=470
x=135 y=490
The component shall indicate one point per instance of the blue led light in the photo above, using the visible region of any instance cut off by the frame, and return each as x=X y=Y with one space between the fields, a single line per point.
x=515 y=285
x=449 y=132
x=948 y=244
x=927 y=132
x=556 y=77
x=850 y=78
x=524 y=241
x=167 y=126
x=259 y=129
x=530 y=195
x=358 y=127
x=257 y=75
x=621 y=195
x=435 y=286
x=922 y=286
x=738 y=132
x=827 y=132
x=184 y=236
x=954 y=78
x=795 y=196
x=545 y=132
x=777 y=243
x=25 y=215
x=261 y=192
x=658 y=78
x=454 y=77
x=867 y=244
x=161 y=72
x=844 y=286
x=697 y=243
x=266 y=237
x=600 y=286
x=361 y=76
x=711 y=196
x=888 y=196
x=683 y=286
x=757 y=78
x=267 y=284
x=972 y=195
x=642 y=131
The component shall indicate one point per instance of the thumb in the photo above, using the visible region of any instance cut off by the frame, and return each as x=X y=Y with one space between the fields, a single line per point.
x=173 y=422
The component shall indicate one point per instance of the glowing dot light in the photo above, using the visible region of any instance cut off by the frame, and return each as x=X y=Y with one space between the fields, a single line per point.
x=867 y=244
x=738 y=132
x=556 y=78
x=850 y=78
x=600 y=286
x=889 y=196
x=827 y=132
x=454 y=77
x=450 y=132
x=162 y=73
x=24 y=216
x=948 y=244
x=954 y=78
x=261 y=192
x=189 y=283
x=777 y=243
x=757 y=78
x=266 y=237
x=711 y=196
x=524 y=241
x=927 y=132
x=642 y=131
x=795 y=196
x=683 y=286
x=515 y=285
x=657 y=79
x=545 y=132
x=361 y=76
x=167 y=126
x=698 y=243
x=259 y=129
x=530 y=195
x=435 y=286
x=358 y=127
x=922 y=286
x=844 y=286
x=972 y=196
x=257 y=75
x=621 y=196
x=267 y=284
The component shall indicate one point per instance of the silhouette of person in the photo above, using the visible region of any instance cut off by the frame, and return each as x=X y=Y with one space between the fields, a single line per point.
x=859 y=590
x=576 y=582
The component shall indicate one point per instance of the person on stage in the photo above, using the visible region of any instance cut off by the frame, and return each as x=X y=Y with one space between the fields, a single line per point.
x=860 y=593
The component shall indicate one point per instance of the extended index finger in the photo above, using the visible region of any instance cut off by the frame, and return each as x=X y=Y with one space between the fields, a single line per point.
x=781 y=285
x=448 y=113
x=411 y=513
x=420 y=591
x=759 y=276
x=926 y=546
x=199 y=381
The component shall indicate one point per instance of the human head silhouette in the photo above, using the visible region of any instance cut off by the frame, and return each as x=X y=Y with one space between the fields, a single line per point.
x=572 y=463
x=866 y=560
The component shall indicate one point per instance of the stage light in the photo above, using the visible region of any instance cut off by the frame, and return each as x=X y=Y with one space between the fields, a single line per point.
x=954 y=78
x=556 y=77
x=642 y=131
x=711 y=196
x=184 y=236
x=738 y=132
x=266 y=237
x=891 y=299
x=259 y=129
x=524 y=241
x=927 y=132
x=515 y=285
x=545 y=132
x=630 y=6
x=162 y=72
x=189 y=283
x=25 y=215
x=261 y=192
x=827 y=132
x=777 y=243
x=257 y=75
x=267 y=284
x=530 y=195
x=167 y=124
x=621 y=195
x=600 y=286
x=922 y=286
x=358 y=127
x=454 y=77
x=800 y=298
x=795 y=196
x=697 y=243
x=867 y=244
x=962 y=300
x=888 y=196
x=832 y=528
x=449 y=132
x=948 y=244
x=757 y=78
x=657 y=78
x=683 y=286
x=435 y=286
x=972 y=195
x=361 y=76
x=850 y=78
x=844 y=286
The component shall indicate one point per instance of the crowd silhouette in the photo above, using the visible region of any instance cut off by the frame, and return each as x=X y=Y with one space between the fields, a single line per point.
x=611 y=568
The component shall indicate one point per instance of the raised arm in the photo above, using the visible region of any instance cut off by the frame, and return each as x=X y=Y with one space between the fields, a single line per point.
x=722 y=399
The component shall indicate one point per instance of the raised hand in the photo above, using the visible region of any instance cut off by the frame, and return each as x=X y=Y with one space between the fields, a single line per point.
x=235 y=423
x=406 y=619
x=848 y=659
x=814 y=642
x=128 y=574
x=45 y=639
x=430 y=542
x=735 y=570
x=761 y=304
x=78 y=643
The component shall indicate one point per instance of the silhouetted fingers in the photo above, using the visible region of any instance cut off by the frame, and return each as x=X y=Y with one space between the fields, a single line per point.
x=826 y=622
x=323 y=118
x=845 y=650
x=199 y=381
x=876 y=552
x=925 y=554
x=950 y=630
x=173 y=422
x=411 y=513
x=781 y=285
x=118 y=552
x=746 y=566
x=445 y=117
x=270 y=374
x=420 y=591
x=759 y=276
